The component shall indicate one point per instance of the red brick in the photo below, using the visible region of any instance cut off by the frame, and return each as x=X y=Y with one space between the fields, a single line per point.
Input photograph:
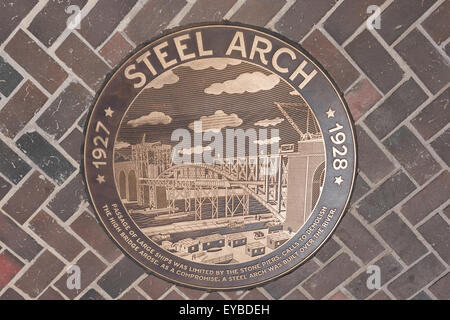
x=302 y=16
x=214 y=296
x=72 y=144
x=87 y=227
x=361 y=97
x=425 y=60
x=416 y=277
x=51 y=21
x=155 y=16
x=90 y=268
x=254 y=295
x=36 y=190
x=154 y=286
x=400 y=237
x=115 y=49
x=387 y=116
x=333 y=61
x=258 y=12
x=11 y=14
x=348 y=17
x=441 y=288
x=380 y=295
x=83 y=61
x=375 y=61
x=330 y=276
x=132 y=295
x=400 y=14
x=55 y=235
x=438 y=23
x=21 y=108
x=36 y=61
x=412 y=155
x=371 y=159
x=296 y=295
x=173 y=295
x=358 y=239
x=103 y=19
x=436 y=232
x=203 y=11
x=429 y=198
x=191 y=293
x=36 y=279
x=434 y=116
x=441 y=146
x=9 y=267
x=339 y=296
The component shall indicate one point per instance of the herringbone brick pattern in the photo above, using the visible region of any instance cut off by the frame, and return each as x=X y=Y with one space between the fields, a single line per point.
x=395 y=80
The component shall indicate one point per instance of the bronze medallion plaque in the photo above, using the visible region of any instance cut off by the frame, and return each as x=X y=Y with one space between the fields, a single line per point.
x=219 y=156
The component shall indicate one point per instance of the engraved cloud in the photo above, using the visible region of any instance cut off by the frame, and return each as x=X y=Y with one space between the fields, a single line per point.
x=269 y=122
x=152 y=118
x=217 y=121
x=163 y=79
x=216 y=63
x=246 y=82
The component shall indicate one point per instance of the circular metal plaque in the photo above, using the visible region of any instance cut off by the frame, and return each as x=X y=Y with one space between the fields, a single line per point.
x=219 y=156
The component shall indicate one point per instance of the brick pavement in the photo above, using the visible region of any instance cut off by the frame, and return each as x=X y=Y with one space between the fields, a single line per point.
x=396 y=82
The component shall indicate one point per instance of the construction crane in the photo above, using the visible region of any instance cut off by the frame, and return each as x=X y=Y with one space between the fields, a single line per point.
x=303 y=136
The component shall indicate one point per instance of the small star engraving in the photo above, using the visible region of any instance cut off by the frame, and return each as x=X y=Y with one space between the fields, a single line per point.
x=109 y=112
x=100 y=179
x=330 y=113
x=338 y=180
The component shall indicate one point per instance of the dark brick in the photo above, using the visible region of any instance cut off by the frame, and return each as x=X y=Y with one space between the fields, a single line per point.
x=203 y=11
x=401 y=238
x=434 y=116
x=429 y=198
x=437 y=232
x=396 y=108
x=360 y=188
x=9 y=267
x=442 y=146
x=115 y=49
x=328 y=250
x=192 y=293
x=412 y=155
x=330 y=276
x=20 y=109
x=90 y=267
x=40 y=274
x=49 y=230
x=11 y=14
x=9 y=78
x=36 y=61
x=258 y=12
x=361 y=97
x=103 y=19
x=254 y=294
x=83 y=61
x=375 y=61
x=332 y=60
x=302 y=16
x=389 y=268
x=214 y=296
x=424 y=59
x=132 y=295
x=350 y=14
x=36 y=190
x=90 y=231
x=50 y=160
x=155 y=16
x=446 y=211
x=51 y=21
x=441 y=288
x=296 y=295
x=422 y=295
x=65 y=110
x=371 y=159
x=385 y=196
x=120 y=277
x=339 y=295
x=11 y=165
x=18 y=240
x=400 y=14
x=5 y=186
x=68 y=200
x=283 y=285
x=154 y=286
x=72 y=144
x=51 y=295
x=380 y=295
x=12 y=295
x=173 y=295
x=358 y=239
x=438 y=24
x=92 y=294
x=416 y=277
